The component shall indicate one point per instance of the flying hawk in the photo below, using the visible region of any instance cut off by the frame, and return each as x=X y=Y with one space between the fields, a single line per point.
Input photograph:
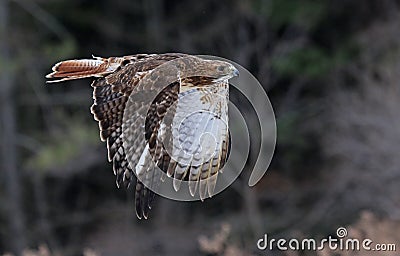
x=180 y=129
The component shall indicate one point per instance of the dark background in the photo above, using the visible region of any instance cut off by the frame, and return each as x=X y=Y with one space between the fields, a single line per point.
x=330 y=68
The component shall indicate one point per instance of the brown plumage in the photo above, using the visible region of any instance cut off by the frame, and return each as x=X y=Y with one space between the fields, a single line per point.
x=116 y=79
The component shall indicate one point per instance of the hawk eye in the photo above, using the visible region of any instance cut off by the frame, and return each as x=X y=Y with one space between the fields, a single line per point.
x=221 y=68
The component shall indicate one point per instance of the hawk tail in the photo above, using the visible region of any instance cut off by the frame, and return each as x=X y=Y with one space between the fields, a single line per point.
x=83 y=68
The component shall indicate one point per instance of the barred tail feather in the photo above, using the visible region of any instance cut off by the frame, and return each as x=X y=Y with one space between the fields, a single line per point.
x=83 y=68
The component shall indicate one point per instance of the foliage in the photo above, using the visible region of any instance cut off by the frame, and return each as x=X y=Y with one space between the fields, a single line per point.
x=63 y=145
x=304 y=14
x=311 y=61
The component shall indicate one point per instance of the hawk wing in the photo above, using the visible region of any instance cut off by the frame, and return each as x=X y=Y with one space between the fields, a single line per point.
x=117 y=79
x=111 y=95
x=200 y=137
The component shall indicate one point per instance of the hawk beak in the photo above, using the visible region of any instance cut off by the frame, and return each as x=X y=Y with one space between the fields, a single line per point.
x=234 y=71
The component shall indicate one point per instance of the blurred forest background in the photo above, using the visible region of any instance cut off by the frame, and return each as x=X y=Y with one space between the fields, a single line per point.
x=330 y=68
